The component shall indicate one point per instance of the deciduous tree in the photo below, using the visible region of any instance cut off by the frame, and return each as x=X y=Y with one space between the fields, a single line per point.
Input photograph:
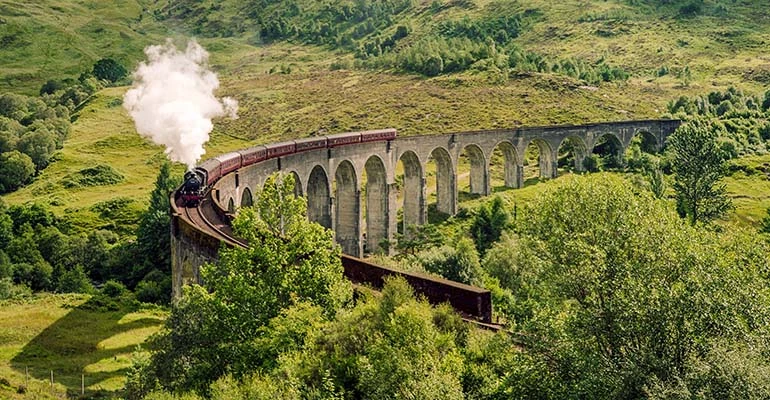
x=15 y=170
x=289 y=259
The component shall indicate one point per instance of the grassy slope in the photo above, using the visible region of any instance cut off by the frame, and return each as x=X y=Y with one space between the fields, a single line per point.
x=55 y=39
x=69 y=335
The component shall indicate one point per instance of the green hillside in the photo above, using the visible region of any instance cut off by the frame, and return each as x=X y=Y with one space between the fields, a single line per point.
x=299 y=80
x=300 y=67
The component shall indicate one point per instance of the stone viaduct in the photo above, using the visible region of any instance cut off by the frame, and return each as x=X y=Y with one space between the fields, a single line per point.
x=354 y=189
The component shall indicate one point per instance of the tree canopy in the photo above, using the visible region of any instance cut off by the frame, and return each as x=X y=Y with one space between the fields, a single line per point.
x=629 y=301
x=215 y=330
x=699 y=165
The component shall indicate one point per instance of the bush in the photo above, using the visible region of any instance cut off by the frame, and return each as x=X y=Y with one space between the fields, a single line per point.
x=113 y=289
x=691 y=9
x=16 y=169
x=10 y=291
x=74 y=281
x=109 y=70
x=99 y=175
x=151 y=292
x=39 y=145
x=51 y=86
x=459 y=263
x=591 y=163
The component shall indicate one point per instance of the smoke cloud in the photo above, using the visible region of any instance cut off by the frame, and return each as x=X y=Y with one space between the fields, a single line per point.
x=172 y=100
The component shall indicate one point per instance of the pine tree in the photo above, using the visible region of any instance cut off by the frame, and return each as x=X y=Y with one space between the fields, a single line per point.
x=489 y=225
x=153 y=237
x=699 y=166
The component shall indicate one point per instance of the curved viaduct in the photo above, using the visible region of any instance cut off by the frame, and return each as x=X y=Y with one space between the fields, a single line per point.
x=340 y=197
x=353 y=189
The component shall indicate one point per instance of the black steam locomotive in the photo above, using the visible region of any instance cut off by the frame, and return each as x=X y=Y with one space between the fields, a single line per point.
x=197 y=181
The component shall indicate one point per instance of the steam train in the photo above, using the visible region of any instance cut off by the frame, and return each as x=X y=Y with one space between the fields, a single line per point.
x=200 y=179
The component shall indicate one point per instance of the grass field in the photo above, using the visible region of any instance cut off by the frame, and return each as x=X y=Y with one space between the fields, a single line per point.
x=71 y=335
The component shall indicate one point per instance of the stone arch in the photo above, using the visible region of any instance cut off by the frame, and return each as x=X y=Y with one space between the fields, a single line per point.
x=648 y=141
x=512 y=168
x=546 y=159
x=347 y=209
x=572 y=150
x=297 y=184
x=231 y=206
x=318 y=198
x=479 y=174
x=446 y=181
x=246 y=198
x=376 y=203
x=638 y=150
x=610 y=149
x=413 y=192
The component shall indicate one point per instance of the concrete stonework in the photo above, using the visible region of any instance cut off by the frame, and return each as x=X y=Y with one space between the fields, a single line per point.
x=343 y=183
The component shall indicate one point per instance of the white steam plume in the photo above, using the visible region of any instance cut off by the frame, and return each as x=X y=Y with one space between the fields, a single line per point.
x=172 y=101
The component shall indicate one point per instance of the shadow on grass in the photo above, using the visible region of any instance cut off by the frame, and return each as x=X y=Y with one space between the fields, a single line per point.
x=94 y=339
x=463 y=196
x=435 y=216
x=501 y=189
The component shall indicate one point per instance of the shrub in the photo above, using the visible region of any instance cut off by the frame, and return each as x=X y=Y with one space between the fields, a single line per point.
x=16 y=169
x=591 y=163
x=113 y=289
x=109 y=69
x=99 y=175
x=10 y=291
x=150 y=292
x=74 y=281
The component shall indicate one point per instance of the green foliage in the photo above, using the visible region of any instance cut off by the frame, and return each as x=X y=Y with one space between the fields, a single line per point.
x=6 y=229
x=31 y=127
x=488 y=224
x=10 y=291
x=417 y=238
x=109 y=69
x=31 y=215
x=154 y=288
x=139 y=384
x=113 y=289
x=617 y=311
x=16 y=169
x=459 y=263
x=39 y=146
x=514 y=262
x=591 y=163
x=51 y=86
x=289 y=260
x=152 y=236
x=656 y=181
x=388 y=348
x=699 y=165
x=74 y=281
x=741 y=121
x=99 y=175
